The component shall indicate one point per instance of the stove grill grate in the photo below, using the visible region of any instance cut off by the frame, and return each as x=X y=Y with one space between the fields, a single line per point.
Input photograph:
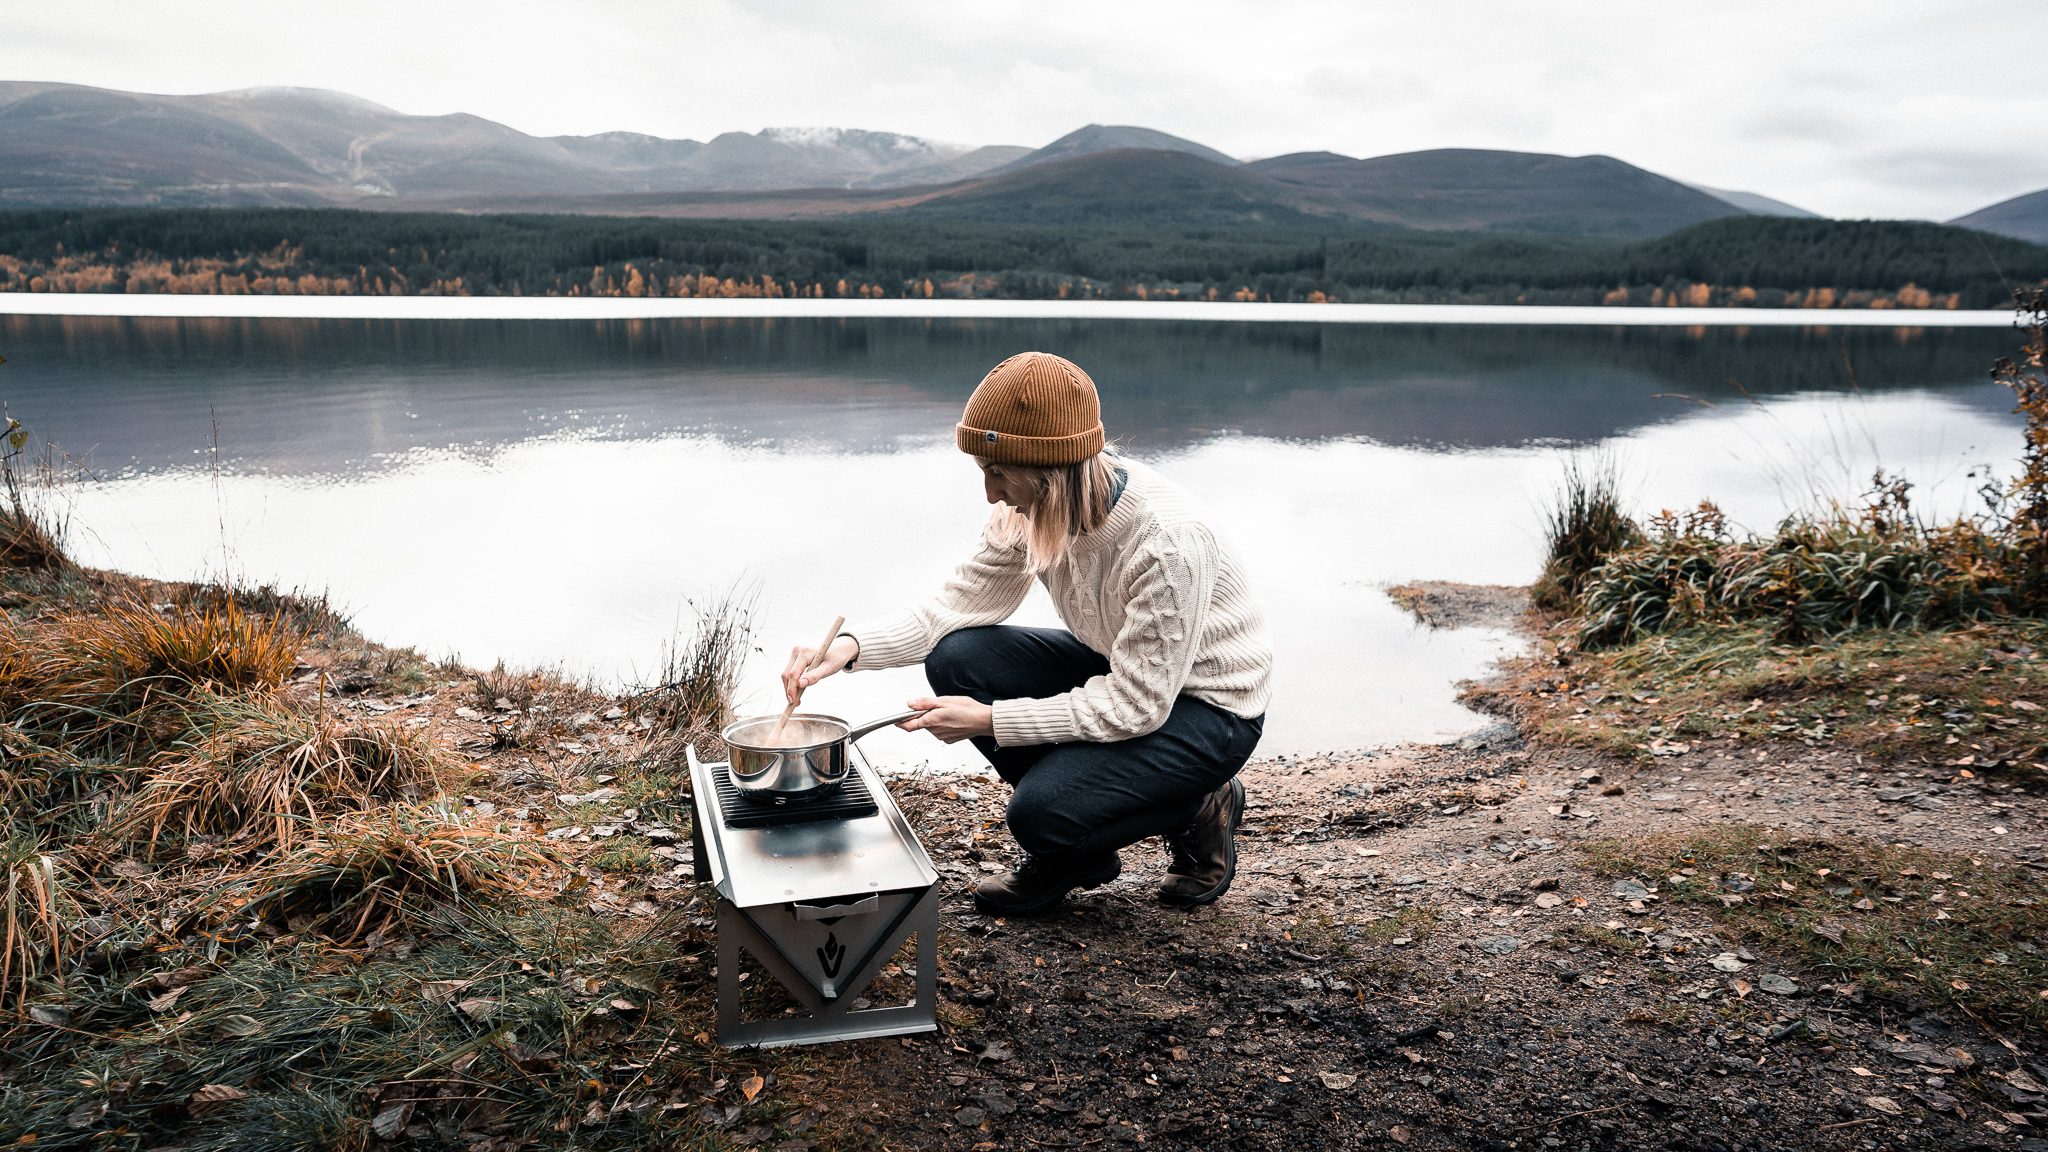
x=851 y=801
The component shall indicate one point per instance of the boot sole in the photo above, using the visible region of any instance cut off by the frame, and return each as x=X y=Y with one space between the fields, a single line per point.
x=1053 y=897
x=1229 y=857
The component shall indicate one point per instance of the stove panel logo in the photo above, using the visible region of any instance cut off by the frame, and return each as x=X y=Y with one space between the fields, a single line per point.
x=832 y=955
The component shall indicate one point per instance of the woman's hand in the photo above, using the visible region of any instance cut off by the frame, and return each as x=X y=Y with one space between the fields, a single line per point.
x=951 y=718
x=799 y=675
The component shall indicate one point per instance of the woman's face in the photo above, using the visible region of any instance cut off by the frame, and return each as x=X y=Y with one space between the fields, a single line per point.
x=1006 y=486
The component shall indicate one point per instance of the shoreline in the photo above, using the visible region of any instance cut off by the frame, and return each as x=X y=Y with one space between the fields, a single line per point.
x=212 y=306
x=1430 y=945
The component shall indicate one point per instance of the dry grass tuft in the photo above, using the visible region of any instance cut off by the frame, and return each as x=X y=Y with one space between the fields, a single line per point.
x=28 y=537
x=367 y=871
x=701 y=673
x=503 y=689
x=261 y=774
x=35 y=910
x=100 y=679
x=27 y=542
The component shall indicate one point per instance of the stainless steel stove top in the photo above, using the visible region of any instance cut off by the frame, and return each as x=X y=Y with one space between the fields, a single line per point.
x=802 y=863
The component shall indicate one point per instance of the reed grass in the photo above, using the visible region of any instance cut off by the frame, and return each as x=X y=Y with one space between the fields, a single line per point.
x=31 y=537
x=700 y=672
x=1584 y=526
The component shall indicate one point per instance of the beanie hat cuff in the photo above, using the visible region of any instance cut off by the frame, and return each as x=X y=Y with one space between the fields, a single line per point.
x=1038 y=451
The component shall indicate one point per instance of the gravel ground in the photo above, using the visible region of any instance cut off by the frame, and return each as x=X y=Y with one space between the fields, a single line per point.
x=1415 y=953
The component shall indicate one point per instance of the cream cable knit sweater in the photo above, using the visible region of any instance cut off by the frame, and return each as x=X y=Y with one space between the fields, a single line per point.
x=1152 y=589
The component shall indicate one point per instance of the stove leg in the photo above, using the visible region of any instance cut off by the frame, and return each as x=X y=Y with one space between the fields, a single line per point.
x=700 y=860
x=827 y=1020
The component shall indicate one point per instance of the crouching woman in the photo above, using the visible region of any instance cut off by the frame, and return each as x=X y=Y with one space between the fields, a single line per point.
x=1130 y=722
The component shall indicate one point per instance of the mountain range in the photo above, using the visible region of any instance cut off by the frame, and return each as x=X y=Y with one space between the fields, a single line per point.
x=66 y=145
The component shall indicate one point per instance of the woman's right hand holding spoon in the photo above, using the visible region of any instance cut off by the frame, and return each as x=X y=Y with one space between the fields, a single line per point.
x=800 y=673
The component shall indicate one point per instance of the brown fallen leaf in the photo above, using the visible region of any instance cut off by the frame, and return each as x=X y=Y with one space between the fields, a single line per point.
x=751 y=1087
x=1885 y=1104
x=1337 y=1081
x=213 y=1096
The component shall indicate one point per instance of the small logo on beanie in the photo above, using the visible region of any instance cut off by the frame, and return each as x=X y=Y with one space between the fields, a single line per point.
x=991 y=437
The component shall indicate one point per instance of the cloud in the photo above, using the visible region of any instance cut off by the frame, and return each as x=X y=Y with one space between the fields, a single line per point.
x=1844 y=107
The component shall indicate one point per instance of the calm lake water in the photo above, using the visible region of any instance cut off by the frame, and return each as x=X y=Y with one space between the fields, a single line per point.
x=559 y=493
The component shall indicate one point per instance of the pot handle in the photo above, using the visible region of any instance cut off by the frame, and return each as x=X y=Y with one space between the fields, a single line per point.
x=884 y=722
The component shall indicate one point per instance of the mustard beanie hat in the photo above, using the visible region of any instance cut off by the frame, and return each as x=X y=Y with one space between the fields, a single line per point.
x=1034 y=408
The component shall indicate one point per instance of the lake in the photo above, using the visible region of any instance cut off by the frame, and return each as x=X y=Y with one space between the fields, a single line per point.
x=560 y=493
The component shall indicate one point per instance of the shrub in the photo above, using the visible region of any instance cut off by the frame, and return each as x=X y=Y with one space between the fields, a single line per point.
x=2025 y=502
x=1817 y=576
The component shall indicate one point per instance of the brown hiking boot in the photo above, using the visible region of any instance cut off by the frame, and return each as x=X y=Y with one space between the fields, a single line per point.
x=1040 y=882
x=1205 y=852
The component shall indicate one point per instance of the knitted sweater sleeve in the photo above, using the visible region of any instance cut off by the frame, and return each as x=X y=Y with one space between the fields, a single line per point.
x=985 y=589
x=1170 y=584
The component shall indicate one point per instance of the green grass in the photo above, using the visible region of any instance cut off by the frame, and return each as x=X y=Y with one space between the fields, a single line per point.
x=1902 y=924
x=1414 y=922
x=1971 y=699
x=626 y=854
x=573 y=1031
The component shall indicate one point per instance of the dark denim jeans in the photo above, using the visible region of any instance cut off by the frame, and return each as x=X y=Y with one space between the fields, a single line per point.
x=1083 y=799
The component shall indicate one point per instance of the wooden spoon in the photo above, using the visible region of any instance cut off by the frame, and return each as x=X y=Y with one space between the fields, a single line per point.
x=831 y=634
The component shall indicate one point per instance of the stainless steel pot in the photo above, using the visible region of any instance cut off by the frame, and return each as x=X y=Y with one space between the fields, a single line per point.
x=808 y=762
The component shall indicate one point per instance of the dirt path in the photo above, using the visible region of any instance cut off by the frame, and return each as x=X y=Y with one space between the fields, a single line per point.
x=1417 y=953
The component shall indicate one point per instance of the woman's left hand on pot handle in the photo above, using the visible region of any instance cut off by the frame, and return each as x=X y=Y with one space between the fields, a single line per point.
x=951 y=718
x=798 y=674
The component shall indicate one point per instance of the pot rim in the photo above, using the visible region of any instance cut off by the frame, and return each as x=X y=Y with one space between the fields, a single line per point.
x=778 y=749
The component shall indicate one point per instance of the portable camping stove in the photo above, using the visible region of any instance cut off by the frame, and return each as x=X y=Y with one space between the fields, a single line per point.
x=820 y=893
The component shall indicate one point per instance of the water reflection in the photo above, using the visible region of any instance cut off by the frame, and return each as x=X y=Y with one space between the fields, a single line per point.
x=338 y=396
x=605 y=474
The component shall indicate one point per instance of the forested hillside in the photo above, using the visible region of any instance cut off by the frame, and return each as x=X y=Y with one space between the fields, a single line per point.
x=1758 y=261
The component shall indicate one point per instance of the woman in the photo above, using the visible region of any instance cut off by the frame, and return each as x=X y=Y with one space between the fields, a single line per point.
x=1132 y=724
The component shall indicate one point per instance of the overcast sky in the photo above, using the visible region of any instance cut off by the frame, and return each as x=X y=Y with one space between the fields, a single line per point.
x=1923 y=108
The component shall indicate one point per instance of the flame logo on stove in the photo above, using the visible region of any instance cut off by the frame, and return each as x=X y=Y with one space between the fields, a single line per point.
x=832 y=955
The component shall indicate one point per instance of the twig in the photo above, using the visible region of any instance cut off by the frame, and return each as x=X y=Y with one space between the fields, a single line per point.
x=1846 y=1124
x=1587 y=1112
x=621 y=1097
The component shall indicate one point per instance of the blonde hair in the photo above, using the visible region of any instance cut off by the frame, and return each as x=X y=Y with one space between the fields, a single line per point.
x=1071 y=501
